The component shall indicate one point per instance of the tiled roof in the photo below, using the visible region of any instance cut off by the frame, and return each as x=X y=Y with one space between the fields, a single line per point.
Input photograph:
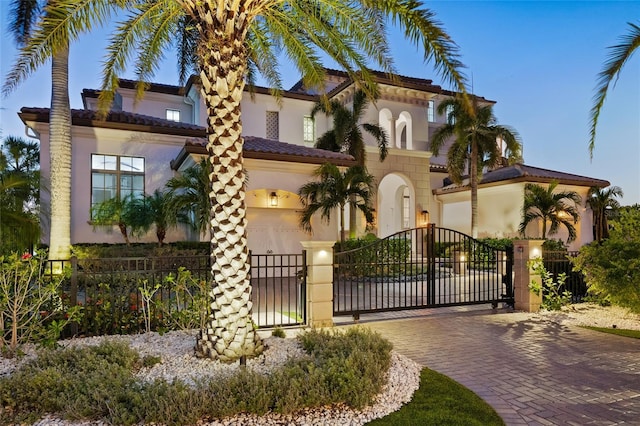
x=117 y=120
x=525 y=173
x=269 y=149
x=254 y=147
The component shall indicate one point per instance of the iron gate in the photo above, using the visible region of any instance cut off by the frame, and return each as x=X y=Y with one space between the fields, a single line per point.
x=421 y=268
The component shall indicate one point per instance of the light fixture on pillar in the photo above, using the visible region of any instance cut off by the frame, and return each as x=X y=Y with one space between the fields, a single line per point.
x=273 y=199
x=425 y=217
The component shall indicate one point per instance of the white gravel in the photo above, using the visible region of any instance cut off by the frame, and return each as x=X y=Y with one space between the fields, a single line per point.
x=177 y=361
x=176 y=352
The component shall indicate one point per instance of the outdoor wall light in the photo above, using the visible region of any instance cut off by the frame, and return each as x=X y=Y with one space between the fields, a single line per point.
x=425 y=217
x=273 y=199
x=535 y=252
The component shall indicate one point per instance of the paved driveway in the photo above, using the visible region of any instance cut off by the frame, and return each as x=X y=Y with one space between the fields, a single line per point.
x=533 y=372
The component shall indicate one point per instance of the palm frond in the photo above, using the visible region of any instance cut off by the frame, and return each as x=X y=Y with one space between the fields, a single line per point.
x=618 y=56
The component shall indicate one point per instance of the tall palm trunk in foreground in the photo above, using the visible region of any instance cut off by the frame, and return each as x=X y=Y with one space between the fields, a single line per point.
x=60 y=158
x=230 y=332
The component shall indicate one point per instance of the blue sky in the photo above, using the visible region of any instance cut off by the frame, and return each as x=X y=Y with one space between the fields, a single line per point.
x=538 y=60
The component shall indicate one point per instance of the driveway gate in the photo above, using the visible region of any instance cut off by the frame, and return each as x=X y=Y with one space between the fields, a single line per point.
x=421 y=268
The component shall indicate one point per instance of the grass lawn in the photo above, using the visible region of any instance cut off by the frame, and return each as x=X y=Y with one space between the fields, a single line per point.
x=618 y=331
x=442 y=401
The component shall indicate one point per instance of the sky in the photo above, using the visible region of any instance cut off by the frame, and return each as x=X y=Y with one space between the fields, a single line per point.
x=538 y=60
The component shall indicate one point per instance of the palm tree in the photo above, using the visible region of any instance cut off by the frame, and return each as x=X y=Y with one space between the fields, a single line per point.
x=153 y=210
x=347 y=136
x=557 y=208
x=129 y=213
x=475 y=146
x=335 y=189
x=23 y=14
x=603 y=204
x=235 y=38
x=19 y=228
x=618 y=57
x=188 y=197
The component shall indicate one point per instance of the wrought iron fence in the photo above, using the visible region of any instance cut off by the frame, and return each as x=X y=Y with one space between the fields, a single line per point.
x=557 y=262
x=112 y=291
x=419 y=268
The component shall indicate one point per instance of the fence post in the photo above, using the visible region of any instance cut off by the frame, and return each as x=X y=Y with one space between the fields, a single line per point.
x=523 y=252
x=319 y=282
x=73 y=296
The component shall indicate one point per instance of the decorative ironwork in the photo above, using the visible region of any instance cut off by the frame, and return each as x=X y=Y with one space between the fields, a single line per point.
x=421 y=268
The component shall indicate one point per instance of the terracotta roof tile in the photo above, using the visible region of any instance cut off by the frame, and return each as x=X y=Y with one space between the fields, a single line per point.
x=526 y=173
x=254 y=147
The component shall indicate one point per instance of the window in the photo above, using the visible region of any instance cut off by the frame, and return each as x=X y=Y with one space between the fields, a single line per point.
x=308 y=125
x=406 y=208
x=449 y=115
x=273 y=125
x=431 y=113
x=113 y=176
x=173 y=115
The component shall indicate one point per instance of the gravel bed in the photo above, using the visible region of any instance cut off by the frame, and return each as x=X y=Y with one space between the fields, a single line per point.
x=177 y=361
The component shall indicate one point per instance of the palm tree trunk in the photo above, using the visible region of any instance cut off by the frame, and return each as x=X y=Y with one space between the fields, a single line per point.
x=473 y=181
x=352 y=216
x=60 y=158
x=342 y=225
x=230 y=333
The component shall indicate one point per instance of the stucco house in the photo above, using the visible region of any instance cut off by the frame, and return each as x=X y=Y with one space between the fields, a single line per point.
x=142 y=144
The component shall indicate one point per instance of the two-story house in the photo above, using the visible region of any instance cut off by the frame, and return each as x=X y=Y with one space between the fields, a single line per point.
x=143 y=144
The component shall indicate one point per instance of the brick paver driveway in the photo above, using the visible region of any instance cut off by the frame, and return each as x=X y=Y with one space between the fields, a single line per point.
x=533 y=372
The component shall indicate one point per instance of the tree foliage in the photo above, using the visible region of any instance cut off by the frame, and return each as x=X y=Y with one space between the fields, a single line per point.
x=335 y=189
x=619 y=54
x=604 y=206
x=550 y=207
x=612 y=266
x=475 y=135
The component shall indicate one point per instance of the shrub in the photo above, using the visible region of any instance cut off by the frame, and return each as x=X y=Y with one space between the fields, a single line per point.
x=99 y=383
x=612 y=267
x=554 y=296
x=31 y=306
x=279 y=332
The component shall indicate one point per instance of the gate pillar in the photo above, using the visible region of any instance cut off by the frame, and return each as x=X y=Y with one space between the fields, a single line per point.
x=319 y=282
x=523 y=252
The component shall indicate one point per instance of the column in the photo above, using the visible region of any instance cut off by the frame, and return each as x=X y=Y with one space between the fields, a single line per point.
x=319 y=282
x=523 y=252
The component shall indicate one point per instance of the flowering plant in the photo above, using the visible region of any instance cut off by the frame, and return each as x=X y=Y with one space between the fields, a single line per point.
x=31 y=304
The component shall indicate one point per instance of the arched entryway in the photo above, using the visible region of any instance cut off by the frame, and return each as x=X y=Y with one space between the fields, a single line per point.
x=396 y=204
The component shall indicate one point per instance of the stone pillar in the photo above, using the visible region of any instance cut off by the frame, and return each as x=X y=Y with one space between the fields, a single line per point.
x=523 y=252
x=319 y=282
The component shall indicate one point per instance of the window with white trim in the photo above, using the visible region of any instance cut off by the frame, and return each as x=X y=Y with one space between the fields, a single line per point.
x=431 y=111
x=173 y=115
x=449 y=118
x=406 y=208
x=114 y=176
x=308 y=128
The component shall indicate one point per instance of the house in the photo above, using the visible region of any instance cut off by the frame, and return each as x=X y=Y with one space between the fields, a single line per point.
x=142 y=144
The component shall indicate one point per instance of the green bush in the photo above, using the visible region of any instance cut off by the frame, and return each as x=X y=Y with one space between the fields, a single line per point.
x=554 y=297
x=32 y=308
x=612 y=267
x=98 y=383
x=98 y=251
x=372 y=257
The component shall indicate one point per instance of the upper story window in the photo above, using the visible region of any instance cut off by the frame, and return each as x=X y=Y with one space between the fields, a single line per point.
x=431 y=112
x=309 y=131
x=448 y=115
x=173 y=115
x=273 y=125
x=114 y=176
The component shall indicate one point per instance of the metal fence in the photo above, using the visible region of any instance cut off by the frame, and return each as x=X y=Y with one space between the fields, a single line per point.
x=112 y=291
x=557 y=262
x=420 y=268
